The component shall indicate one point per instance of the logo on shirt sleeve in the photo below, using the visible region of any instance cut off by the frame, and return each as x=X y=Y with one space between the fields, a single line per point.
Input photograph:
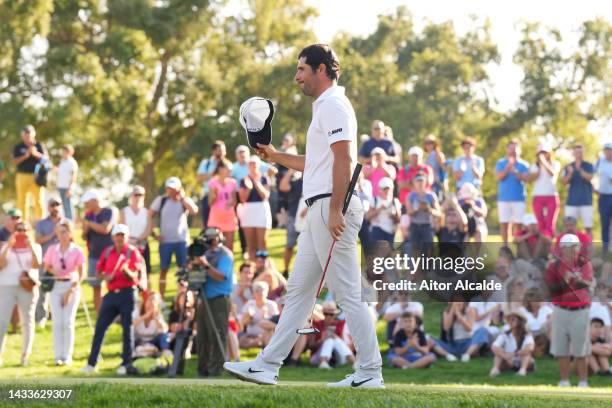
x=333 y=132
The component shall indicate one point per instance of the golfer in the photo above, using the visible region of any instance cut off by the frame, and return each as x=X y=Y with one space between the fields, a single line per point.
x=331 y=153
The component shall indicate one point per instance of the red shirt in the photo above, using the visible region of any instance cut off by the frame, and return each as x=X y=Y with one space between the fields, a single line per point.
x=568 y=294
x=108 y=264
x=407 y=173
x=338 y=326
x=584 y=239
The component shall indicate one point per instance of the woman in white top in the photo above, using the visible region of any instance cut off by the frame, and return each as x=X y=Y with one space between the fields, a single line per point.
x=513 y=349
x=384 y=213
x=254 y=311
x=546 y=204
x=150 y=328
x=67 y=174
x=136 y=217
x=64 y=261
x=19 y=262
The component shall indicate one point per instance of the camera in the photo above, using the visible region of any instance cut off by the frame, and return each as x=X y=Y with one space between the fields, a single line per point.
x=193 y=274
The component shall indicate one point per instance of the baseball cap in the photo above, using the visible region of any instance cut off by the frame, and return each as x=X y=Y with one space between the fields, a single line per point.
x=569 y=240
x=15 y=213
x=173 y=182
x=529 y=219
x=419 y=177
x=544 y=147
x=120 y=229
x=28 y=129
x=254 y=159
x=53 y=201
x=91 y=194
x=138 y=190
x=415 y=150
x=256 y=115
x=467 y=190
x=385 y=182
x=377 y=150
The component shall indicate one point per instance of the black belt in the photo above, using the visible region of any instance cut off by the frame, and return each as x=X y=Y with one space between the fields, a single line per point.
x=310 y=201
x=63 y=280
x=573 y=307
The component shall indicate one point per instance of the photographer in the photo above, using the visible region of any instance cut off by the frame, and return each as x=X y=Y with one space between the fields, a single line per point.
x=218 y=263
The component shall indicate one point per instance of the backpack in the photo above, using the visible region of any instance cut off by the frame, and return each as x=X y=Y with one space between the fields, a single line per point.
x=41 y=173
x=161 y=207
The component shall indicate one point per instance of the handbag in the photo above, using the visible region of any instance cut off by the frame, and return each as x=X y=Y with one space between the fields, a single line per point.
x=25 y=280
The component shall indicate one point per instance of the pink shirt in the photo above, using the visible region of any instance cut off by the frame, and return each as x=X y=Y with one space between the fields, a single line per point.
x=375 y=176
x=224 y=192
x=73 y=258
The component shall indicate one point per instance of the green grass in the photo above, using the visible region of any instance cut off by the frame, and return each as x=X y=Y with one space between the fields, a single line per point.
x=437 y=385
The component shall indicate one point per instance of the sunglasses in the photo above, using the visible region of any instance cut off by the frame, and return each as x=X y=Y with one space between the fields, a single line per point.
x=63 y=263
x=138 y=195
x=54 y=205
x=20 y=230
x=15 y=218
x=329 y=314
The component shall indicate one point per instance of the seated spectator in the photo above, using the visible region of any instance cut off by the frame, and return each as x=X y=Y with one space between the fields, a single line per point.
x=396 y=310
x=233 y=346
x=601 y=348
x=253 y=312
x=487 y=315
x=275 y=280
x=530 y=242
x=411 y=349
x=513 y=349
x=539 y=321
x=330 y=340
x=384 y=213
x=150 y=328
x=475 y=209
x=242 y=290
x=600 y=305
x=378 y=169
x=182 y=315
x=458 y=335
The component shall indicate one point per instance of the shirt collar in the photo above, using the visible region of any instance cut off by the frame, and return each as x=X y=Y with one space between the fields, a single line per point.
x=331 y=91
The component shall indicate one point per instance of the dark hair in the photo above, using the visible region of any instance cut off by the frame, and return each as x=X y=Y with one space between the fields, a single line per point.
x=220 y=164
x=217 y=143
x=247 y=264
x=317 y=54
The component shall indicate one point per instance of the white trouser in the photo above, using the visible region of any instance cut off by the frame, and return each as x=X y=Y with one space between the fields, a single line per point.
x=26 y=304
x=63 y=318
x=328 y=347
x=343 y=279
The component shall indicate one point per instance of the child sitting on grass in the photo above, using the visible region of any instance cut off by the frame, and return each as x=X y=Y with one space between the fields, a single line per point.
x=513 y=349
x=601 y=349
x=411 y=349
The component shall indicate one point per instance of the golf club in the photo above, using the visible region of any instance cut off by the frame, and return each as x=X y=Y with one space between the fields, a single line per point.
x=347 y=200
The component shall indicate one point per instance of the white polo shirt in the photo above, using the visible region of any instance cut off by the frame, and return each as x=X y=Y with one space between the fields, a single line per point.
x=333 y=120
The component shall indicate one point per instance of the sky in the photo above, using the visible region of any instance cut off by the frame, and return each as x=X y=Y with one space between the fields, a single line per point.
x=360 y=18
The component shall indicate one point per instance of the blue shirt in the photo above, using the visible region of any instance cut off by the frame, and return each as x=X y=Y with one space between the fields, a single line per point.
x=580 y=190
x=511 y=188
x=604 y=171
x=240 y=171
x=468 y=175
x=207 y=166
x=420 y=216
x=45 y=227
x=370 y=144
x=224 y=264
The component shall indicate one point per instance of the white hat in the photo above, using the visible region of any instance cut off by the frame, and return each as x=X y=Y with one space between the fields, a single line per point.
x=242 y=148
x=254 y=159
x=415 y=150
x=91 y=194
x=529 y=219
x=255 y=117
x=120 y=229
x=385 y=182
x=569 y=240
x=544 y=147
x=518 y=313
x=377 y=150
x=467 y=190
x=173 y=182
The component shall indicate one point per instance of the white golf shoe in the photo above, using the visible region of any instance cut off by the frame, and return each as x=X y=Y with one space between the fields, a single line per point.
x=353 y=381
x=248 y=371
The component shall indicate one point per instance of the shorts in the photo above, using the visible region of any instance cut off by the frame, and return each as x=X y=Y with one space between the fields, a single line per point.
x=224 y=219
x=179 y=249
x=580 y=212
x=255 y=215
x=292 y=233
x=570 y=333
x=92 y=264
x=511 y=211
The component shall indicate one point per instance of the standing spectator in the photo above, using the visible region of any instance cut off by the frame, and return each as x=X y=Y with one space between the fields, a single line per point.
x=511 y=173
x=2 y=173
x=136 y=217
x=384 y=213
x=531 y=242
x=475 y=209
x=255 y=216
x=406 y=175
x=366 y=196
x=411 y=349
x=291 y=185
x=601 y=348
x=19 y=262
x=67 y=174
x=97 y=226
x=544 y=173
x=421 y=206
x=578 y=175
x=205 y=171
x=378 y=168
x=378 y=140
x=172 y=208
x=513 y=349
x=452 y=228
x=604 y=173
x=222 y=202
x=26 y=155
x=435 y=159
x=568 y=279
x=119 y=266
x=13 y=217
x=150 y=328
x=288 y=144
x=397 y=148
x=64 y=261
x=469 y=168
x=46 y=235
x=329 y=339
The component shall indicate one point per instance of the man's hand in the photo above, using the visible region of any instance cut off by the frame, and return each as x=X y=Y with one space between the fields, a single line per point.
x=266 y=151
x=336 y=224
